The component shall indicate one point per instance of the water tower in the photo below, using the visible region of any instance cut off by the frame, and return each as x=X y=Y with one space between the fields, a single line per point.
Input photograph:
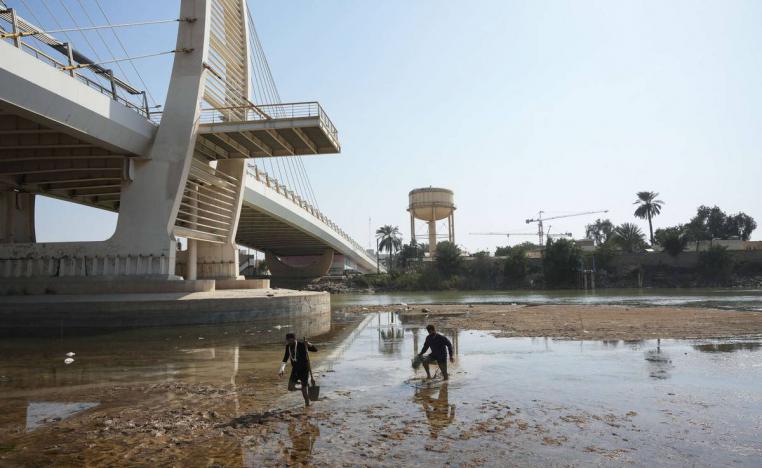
x=431 y=205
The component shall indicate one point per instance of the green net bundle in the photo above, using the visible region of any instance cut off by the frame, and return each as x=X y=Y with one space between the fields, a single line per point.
x=417 y=361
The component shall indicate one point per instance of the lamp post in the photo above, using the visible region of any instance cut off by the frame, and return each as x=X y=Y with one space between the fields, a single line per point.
x=378 y=266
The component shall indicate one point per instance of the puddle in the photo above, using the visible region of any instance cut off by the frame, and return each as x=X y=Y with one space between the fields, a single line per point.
x=166 y=397
x=39 y=413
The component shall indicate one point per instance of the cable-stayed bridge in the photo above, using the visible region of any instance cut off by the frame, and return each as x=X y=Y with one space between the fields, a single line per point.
x=219 y=163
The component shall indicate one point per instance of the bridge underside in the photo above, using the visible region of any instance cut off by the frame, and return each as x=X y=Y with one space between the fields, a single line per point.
x=35 y=158
x=279 y=224
x=262 y=232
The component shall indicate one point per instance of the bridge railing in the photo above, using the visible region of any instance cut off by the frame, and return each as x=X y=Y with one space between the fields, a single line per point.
x=252 y=112
x=76 y=65
x=274 y=184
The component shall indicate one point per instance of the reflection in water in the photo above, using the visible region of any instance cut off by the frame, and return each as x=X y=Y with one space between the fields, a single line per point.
x=303 y=435
x=728 y=347
x=659 y=363
x=155 y=354
x=391 y=335
x=439 y=412
x=39 y=413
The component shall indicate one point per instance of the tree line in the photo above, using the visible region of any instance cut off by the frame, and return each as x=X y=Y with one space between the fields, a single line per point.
x=562 y=259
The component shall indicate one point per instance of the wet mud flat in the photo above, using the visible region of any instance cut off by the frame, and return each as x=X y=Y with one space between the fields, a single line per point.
x=523 y=401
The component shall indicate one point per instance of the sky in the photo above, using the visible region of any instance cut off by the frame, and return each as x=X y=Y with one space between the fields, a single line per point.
x=516 y=106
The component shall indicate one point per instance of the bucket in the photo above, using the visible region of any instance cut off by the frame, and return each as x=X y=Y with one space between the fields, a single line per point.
x=314 y=392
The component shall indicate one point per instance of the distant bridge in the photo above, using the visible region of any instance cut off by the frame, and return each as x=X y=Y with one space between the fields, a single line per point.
x=70 y=129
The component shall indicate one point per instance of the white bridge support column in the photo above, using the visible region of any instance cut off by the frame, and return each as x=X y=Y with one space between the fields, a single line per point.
x=150 y=203
x=16 y=217
x=220 y=261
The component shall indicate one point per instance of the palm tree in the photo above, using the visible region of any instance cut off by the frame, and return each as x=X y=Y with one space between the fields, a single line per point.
x=389 y=239
x=648 y=207
x=629 y=237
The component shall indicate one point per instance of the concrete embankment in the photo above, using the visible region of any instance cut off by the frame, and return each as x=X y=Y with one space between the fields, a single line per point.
x=112 y=311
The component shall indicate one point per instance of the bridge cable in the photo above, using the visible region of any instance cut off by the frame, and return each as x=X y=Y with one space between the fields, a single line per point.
x=31 y=12
x=60 y=26
x=55 y=20
x=255 y=47
x=276 y=95
x=124 y=59
x=84 y=36
x=103 y=40
x=121 y=44
x=259 y=83
x=93 y=26
x=266 y=96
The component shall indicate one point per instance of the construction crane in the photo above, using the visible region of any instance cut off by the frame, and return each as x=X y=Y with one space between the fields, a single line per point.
x=506 y=234
x=539 y=220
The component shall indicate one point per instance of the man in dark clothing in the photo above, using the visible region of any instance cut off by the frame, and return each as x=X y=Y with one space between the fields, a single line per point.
x=296 y=352
x=440 y=347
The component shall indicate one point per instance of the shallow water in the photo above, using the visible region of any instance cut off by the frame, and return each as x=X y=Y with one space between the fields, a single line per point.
x=679 y=402
x=721 y=298
x=161 y=396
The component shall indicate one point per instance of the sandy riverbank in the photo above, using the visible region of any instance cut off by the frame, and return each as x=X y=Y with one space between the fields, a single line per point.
x=584 y=322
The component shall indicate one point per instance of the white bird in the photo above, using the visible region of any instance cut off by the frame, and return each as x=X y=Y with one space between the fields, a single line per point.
x=70 y=354
x=68 y=360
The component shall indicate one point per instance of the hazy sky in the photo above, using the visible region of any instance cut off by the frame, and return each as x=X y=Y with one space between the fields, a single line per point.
x=516 y=106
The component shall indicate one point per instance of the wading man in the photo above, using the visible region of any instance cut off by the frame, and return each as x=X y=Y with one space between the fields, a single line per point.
x=440 y=347
x=296 y=352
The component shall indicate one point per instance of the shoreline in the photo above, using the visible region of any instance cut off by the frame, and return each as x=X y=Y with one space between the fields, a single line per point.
x=582 y=322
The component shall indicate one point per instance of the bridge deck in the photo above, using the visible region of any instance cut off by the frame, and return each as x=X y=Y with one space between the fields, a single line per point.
x=275 y=220
x=268 y=130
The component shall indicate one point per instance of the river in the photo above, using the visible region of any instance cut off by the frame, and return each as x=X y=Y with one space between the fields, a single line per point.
x=209 y=395
x=720 y=298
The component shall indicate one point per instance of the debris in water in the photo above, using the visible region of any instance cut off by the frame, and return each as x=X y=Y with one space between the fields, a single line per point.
x=417 y=362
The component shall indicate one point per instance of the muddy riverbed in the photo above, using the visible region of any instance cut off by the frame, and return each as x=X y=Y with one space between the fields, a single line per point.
x=206 y=396
x=583 y=322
